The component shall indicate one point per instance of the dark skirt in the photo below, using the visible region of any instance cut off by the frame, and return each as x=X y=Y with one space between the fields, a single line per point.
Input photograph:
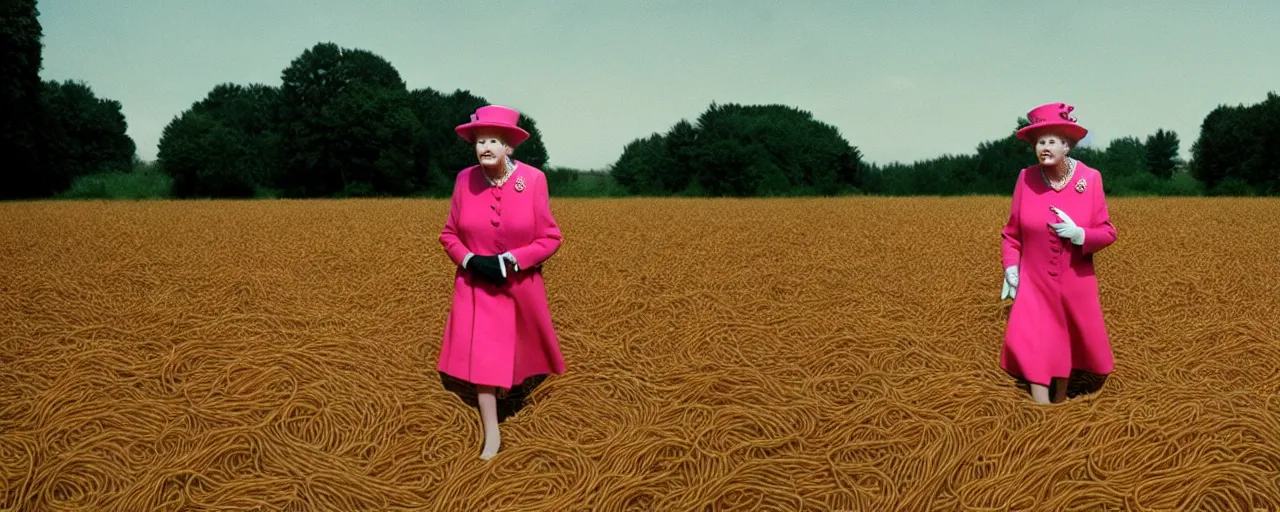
x=510 y=401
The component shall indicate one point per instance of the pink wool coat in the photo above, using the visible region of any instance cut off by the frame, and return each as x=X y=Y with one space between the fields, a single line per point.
x=1056 y=322
x=500 y=335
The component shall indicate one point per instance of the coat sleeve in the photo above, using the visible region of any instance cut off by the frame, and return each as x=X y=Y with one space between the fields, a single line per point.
x=449 y=238
x=548 y=238
x=1101 y=233
x=1011 y=245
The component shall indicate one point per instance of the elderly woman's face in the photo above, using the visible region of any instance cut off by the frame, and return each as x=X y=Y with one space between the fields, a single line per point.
x=490 y=148
x=1051 y=148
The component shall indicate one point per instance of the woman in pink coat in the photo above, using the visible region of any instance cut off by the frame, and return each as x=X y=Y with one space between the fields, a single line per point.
x=500 y=230
x=1057 y=222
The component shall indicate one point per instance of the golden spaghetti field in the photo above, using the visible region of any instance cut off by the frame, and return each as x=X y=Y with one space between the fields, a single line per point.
x=815 y=354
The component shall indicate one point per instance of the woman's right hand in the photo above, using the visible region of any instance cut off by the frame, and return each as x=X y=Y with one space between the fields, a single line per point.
x=1010 y=283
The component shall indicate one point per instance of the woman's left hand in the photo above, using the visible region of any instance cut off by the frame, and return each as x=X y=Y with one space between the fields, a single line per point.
x=510 y=259
x=1067 y=228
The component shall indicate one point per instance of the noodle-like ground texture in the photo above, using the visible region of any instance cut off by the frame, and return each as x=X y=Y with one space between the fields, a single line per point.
x=801 y=354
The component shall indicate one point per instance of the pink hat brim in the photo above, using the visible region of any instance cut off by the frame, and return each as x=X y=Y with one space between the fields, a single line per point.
x=1070 y=129
x=514 y=134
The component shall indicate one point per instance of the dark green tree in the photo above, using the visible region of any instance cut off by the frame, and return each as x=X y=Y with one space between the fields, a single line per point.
x=636 y=170
x=22 y=174
x=226 y=145
x=737 y=150
x=346 y=125
x=1268 y=172
x=82 y=134
x=1162 y=153
x=341 y=124
x=682 y=150
x=1237 y=151
x=1125 y=156
x=1224 y=150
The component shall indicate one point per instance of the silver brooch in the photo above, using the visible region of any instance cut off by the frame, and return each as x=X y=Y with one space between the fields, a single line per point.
x=1080 y=186
x=520 y=184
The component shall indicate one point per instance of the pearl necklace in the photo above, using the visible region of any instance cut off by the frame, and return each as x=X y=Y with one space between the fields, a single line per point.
x=500 y=181
x=1058 y=184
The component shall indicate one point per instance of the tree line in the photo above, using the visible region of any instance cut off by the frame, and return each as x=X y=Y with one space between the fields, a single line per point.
x=50 y=132
x=342 y=123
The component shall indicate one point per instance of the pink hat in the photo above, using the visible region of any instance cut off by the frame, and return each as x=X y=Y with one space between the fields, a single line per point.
x=494 y=116
x=1052 y=115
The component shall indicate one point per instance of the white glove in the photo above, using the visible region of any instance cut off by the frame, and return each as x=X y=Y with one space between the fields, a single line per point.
x=1067 y=228
x=509 y=258
x=1010 y=283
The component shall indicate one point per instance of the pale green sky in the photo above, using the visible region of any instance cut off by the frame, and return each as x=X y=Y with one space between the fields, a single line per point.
x=901 y=80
